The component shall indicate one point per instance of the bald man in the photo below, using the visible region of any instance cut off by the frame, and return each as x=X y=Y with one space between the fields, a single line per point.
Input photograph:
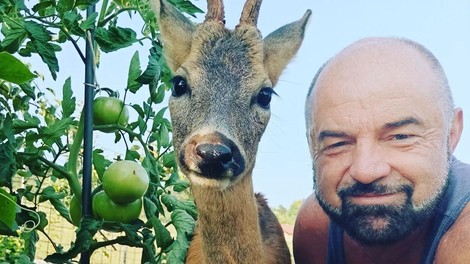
x=381 y=128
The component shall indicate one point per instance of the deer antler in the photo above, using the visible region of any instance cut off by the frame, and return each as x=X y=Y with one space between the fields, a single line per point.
x=215 y=11
x=250 y=12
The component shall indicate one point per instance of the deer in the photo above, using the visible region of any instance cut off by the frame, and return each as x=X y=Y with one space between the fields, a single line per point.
x=219 y=108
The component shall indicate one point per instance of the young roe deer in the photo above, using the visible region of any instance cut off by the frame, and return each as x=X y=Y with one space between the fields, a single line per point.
x=219 y=109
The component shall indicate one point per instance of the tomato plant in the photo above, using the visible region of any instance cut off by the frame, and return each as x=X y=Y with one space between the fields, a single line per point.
x=41 y=128
x=125 y=181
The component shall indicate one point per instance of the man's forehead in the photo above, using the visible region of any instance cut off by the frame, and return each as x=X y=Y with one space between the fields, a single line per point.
x=377 y=66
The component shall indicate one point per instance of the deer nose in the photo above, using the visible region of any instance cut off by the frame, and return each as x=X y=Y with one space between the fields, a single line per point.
x=214 y=153
x=216 y=160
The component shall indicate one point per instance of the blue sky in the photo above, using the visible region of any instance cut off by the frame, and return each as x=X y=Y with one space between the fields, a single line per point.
x=283 y=168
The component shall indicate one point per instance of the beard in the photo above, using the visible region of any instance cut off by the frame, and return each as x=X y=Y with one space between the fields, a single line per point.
x=381 y=224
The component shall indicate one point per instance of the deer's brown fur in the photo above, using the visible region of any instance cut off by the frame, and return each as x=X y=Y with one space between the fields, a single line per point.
x=218 y=121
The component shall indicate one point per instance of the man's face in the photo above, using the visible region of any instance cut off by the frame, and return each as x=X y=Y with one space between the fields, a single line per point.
x=379 y=141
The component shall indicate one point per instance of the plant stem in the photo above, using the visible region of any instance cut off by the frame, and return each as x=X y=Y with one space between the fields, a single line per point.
x=102 y=23
x=72 y=179
x=119 y=240
x=50 y=239
x=104 y=7
x=73 y=159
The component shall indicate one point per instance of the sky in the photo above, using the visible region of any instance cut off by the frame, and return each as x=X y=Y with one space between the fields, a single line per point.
x=283 y=168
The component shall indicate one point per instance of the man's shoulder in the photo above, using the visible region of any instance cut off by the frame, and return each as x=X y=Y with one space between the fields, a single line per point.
x=311 y=233
x=454 y=247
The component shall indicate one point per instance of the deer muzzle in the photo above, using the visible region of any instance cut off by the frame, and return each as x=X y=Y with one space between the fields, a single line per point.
x=212 y=156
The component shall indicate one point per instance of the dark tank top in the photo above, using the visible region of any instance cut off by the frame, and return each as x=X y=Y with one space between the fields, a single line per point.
x=456 y=197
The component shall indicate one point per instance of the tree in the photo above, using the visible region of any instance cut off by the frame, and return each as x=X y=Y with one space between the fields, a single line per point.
x=40 y=137
x=288 y=215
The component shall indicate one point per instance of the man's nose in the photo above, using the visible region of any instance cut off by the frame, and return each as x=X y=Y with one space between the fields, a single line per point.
x=368 y=163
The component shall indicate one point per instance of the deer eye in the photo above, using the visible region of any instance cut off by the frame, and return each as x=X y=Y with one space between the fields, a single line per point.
x=264 y=97
x=180 y=86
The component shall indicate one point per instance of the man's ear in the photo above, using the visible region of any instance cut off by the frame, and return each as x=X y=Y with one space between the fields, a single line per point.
x=176 y=33
x=281 y=45
x=456 y=129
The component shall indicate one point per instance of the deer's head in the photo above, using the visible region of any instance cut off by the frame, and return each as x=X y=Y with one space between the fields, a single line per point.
x=222 y=87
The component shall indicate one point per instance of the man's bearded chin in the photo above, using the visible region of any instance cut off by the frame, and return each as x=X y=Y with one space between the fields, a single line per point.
x=381 y=224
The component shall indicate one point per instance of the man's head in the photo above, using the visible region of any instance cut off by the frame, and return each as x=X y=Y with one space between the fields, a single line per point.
x=381 y=126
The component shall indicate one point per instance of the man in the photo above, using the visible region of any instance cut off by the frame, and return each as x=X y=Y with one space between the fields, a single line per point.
x=381 y=128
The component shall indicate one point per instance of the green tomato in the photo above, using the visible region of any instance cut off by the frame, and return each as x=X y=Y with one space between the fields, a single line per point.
x=125 y=181
x=75 y=210
x=104 y=208
x=109 y=111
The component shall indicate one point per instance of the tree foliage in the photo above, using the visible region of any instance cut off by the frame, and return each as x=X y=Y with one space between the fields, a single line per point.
x=288 y=215
x=40 y=138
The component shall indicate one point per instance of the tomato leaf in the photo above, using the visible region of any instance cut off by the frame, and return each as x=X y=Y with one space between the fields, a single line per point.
x=164 y=136
x=158 y=118
x=28 y=90
x=159 y=94
x=178 y=184
x=142 y=125
x=152 y=71
x=169 y=162
x=30 y=239
x=8 y=208
x=68 y=101
x=149 y=252
x=23 y=259
x=43 y=5
x=13 y=70
x=132 y=155
x=187 y=7
x=172 y=203
x=71 y=21
x=7 y=164
x=114 y=38
x=134 y=72
x=149 y=163
x=184 y=225
x=89 y=23
x=15 y=35
x=64 y=6
x=53 y=132
x=86 y=2
x=131 y=231
x=88 y=228
x=29 y=122
x=100 y=163
x=40 y=38
x=49 y=194
x=139 y=110
x=7 y=130
x=162 y=235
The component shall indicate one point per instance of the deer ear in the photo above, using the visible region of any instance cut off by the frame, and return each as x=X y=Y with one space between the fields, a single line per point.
x=281 y=45
x=176 y=33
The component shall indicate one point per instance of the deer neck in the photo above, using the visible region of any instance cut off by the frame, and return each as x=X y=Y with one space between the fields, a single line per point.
x=228 y=223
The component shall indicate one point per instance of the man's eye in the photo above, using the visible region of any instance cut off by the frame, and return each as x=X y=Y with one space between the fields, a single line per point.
x=335 y=145
x=339 y=144
x=401 y=137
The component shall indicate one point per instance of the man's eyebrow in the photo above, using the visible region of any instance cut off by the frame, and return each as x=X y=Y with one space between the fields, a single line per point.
x=329 y=133
x=401 y=123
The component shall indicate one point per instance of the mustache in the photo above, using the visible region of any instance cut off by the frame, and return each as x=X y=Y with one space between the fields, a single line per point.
x=358 y=189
